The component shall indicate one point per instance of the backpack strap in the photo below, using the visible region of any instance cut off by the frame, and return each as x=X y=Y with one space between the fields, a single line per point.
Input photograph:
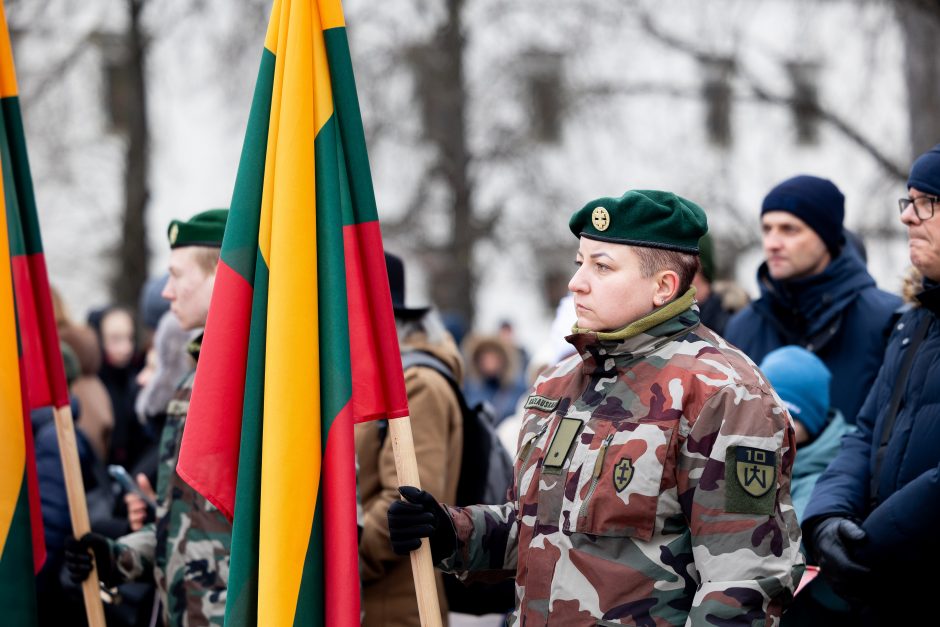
x=900 y=384
x=424 y=359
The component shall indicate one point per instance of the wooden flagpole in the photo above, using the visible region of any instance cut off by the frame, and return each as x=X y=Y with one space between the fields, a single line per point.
x=422 y=566
x=78 y=508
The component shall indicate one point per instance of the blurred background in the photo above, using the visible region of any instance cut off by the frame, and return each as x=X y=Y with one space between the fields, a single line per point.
x=488 y=122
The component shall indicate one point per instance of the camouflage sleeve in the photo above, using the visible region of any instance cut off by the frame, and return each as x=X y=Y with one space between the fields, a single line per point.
x=487 y=542
x=734 y=488
x=134 y=552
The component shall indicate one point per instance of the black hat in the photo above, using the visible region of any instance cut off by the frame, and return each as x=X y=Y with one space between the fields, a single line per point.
x=396 y=284
x=815 y=201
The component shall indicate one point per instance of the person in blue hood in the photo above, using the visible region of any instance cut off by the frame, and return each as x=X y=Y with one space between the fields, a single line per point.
x=816 y=292
x=871 y=523
x=801 y=380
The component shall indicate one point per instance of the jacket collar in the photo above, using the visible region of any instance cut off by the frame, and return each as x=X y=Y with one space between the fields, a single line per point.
x=638 y=339
x=811 y=304
x=194 y=346
x=930 y=297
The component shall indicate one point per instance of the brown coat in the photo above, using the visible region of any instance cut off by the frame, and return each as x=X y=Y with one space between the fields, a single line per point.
x=388 y=588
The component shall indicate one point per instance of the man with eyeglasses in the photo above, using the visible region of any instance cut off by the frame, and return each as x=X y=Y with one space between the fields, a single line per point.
x=872 y=520
x=816 y=292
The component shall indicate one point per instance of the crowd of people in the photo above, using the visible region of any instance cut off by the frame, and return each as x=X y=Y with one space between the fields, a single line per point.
x=680 y=454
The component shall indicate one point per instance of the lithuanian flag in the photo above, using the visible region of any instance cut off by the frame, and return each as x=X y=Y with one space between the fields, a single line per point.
x=22 y=550
x=300 y=342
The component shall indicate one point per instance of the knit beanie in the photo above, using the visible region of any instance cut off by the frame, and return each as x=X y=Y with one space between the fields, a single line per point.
x=815 y=201
x=925 y=173
x=801 y=380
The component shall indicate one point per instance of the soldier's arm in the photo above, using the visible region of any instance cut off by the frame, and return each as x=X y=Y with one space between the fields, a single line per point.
x=431 y=413
x=734 y=483
x=134 y=553
x=487 y=542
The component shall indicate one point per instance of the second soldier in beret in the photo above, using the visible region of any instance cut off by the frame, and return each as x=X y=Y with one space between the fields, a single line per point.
x=653 y=470
x=186 y=549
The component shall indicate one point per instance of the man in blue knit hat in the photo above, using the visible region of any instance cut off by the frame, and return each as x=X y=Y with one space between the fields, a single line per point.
x=871 y=523
x=816 y=292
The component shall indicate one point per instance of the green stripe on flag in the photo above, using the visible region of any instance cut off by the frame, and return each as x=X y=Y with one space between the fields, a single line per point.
x=335 y=366
x=17 y=582
x=311 y=600
x=346 y=105
x=17 y=181
x=241 y=235
x=241 y=609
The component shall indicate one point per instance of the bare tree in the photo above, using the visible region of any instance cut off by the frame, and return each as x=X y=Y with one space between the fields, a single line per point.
x=133 y=254
x=920 y=25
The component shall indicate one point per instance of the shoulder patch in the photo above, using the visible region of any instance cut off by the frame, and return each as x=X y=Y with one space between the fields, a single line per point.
x=541 y=402
x=750 y=480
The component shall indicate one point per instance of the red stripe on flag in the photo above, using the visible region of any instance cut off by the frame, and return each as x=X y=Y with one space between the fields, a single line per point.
x=340 y=532
x=33 y=360
x=213 y=427
x=52 y=352
x=378 y=385
x=32 y=481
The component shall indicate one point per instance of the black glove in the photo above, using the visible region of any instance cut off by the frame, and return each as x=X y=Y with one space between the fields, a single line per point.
x=835 y=541
x=421 y=516
x=78 y=559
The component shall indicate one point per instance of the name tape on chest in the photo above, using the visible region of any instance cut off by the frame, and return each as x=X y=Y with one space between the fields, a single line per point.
x=541 y=402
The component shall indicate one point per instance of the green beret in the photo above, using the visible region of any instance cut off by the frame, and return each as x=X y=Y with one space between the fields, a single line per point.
x=640 y=217
x=706 y=257
x=203 y=229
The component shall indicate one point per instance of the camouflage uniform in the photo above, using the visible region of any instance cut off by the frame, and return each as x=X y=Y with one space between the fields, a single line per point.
x=652 y=487
x=189 y=544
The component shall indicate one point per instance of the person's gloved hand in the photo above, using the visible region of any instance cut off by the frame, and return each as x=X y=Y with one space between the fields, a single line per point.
x=420 y=516
x=834 y=542
x=78 y=559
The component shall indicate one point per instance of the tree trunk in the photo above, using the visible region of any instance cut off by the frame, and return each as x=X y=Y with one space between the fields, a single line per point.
x=133 y=253
x=920 y=27
x=453 y=281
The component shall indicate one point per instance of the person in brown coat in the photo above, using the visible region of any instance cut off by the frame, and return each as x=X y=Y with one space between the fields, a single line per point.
x=388 y=597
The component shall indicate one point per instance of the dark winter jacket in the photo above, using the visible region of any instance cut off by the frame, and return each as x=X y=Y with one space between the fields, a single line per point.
x=838 y=314
x=901 y=521
x=813 y=458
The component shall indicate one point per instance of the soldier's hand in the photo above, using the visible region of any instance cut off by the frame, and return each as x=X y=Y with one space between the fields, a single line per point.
x=835 y=540
x=420 y=516
x=79 y=563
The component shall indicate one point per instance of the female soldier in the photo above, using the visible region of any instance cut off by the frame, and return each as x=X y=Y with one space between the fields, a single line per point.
x=653 y=474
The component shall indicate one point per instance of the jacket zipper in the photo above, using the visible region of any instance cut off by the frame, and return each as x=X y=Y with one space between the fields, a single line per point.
x=596 y=475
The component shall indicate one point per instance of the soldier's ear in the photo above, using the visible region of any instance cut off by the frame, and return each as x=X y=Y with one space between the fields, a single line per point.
x=667 y=284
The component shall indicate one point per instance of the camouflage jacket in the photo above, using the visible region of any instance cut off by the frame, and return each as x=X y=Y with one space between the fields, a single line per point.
x=188 y=546
x=652 y=487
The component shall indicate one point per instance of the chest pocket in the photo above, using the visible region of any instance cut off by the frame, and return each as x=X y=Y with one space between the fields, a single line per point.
x=531 y=445
x=613 y=484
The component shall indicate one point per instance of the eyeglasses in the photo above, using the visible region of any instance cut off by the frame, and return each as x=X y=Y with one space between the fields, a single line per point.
x=923 y=206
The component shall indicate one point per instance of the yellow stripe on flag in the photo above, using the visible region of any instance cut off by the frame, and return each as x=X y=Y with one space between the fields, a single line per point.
x=331 y=14
x=13 y=459
x=292 y=440
x=7 y=71
x=271 y=36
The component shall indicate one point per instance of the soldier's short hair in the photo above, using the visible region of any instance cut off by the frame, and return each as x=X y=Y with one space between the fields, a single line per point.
x=207 y=258
x=653 y=260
